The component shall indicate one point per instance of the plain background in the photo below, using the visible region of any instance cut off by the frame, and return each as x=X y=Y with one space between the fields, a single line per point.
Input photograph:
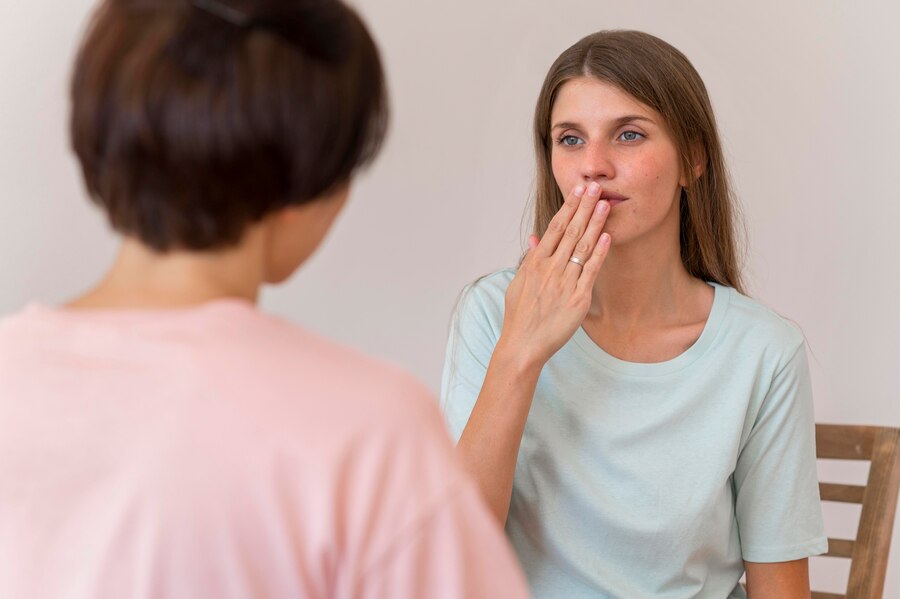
x=807 y=94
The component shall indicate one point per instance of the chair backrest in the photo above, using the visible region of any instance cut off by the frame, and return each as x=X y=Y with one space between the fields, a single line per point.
x=868 y=552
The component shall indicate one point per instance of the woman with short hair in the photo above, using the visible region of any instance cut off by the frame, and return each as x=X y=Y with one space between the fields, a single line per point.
x=161 y=437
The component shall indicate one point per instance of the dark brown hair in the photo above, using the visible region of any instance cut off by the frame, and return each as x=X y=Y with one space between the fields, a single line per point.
x=193 y=119
x=661 y=77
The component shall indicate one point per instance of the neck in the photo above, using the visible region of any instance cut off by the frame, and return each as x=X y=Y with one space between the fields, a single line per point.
x=641 y=286
x=143 y=278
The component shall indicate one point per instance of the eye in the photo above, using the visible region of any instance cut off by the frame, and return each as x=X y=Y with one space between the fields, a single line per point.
x=569 y=140
x=630 y=136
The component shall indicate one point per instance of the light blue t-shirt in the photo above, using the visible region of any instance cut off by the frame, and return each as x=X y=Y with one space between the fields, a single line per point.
x=654 y=480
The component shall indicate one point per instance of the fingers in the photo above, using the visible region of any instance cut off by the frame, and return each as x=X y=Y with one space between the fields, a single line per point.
x=559 y=222
x=533 y=241
x=593 y=264
x=586 y=244
x=577 y=227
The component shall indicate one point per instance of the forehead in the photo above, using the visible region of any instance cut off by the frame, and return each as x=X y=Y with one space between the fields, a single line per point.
x=589 y=101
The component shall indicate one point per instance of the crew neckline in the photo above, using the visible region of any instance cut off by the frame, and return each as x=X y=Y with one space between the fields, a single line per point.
x=59 y=312
x=721 y=300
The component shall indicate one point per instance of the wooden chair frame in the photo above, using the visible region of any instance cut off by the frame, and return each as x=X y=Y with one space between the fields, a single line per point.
x=868 y=553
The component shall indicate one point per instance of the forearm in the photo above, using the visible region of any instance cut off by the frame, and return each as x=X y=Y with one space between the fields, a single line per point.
x=779 y=580
x=489 y=445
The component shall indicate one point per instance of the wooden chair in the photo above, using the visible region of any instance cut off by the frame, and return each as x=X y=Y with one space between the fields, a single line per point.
x=868 y=553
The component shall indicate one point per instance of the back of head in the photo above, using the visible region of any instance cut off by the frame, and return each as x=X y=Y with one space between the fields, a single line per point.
x=195 y=118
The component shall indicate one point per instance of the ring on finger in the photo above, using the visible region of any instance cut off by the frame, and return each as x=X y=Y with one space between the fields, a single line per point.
x=577 y=261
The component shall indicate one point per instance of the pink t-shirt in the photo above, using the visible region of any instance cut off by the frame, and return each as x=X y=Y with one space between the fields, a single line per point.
x=216 y=452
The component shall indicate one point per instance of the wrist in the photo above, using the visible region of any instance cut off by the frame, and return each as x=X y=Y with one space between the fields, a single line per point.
x=511 y=357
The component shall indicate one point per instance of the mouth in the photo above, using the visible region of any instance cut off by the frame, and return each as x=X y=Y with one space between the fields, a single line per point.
x=612 y=198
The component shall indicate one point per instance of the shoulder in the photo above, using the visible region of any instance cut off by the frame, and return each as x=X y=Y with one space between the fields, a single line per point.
x=480 y=307
x=359 y=434
x=313 y=392
x=490 y=288
x=22 y=322
x=484 y=298
x=494 y=282
x=296 y=361
x=758 y=328
x=361 y=422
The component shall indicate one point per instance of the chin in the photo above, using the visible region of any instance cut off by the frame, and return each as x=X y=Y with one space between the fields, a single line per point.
x=617 y=233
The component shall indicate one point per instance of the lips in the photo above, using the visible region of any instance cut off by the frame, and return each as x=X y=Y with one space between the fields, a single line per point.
x=612 y=198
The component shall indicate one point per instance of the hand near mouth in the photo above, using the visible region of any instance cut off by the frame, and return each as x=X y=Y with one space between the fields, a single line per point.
x=550 y=295
x=545 y=304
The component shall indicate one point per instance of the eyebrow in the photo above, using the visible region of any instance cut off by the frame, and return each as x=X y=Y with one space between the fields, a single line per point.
x=616 y=123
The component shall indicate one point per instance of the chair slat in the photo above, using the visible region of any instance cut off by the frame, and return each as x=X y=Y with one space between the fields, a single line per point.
x=842 y=493
x=868 y=553
x=839 y=442
x=840 y=548
x=876 y=522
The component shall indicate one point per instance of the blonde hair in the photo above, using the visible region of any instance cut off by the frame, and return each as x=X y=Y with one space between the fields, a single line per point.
x=661 y=77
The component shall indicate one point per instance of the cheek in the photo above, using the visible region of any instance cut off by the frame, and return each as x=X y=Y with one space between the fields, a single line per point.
x=282 y=262
x=564 y=171
x=656 y=175
x=290 y=245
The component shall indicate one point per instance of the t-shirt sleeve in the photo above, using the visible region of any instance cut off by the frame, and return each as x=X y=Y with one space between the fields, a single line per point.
x=474 y=331
x=777 y=501
x=456 y=551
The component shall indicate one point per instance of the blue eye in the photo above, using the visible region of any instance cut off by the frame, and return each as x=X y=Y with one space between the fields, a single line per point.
x=630 y=135
x=569 y=140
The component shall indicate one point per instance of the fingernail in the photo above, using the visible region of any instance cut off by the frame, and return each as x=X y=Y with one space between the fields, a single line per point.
x=594 y=189
x=604 y=238
x=579 y=191
x=602 y=206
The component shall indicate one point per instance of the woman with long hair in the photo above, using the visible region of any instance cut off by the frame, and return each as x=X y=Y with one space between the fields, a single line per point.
x=640 y=426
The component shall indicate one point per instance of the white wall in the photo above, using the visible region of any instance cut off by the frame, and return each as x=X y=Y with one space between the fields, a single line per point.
x=806 y=92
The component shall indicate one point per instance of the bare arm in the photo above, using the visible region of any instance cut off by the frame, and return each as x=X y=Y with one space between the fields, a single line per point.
x=779 y=580
x=546 y=302
x=490 y=442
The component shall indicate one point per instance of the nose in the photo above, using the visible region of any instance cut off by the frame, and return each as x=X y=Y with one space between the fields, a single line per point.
x=597 y=164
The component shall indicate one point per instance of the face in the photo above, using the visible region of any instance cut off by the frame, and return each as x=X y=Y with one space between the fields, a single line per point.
x=600 y=133
x=296 y=232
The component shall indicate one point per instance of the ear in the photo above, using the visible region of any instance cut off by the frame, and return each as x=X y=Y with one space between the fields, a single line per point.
x=698 y=162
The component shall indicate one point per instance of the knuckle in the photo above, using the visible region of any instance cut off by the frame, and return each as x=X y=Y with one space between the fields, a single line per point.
x=583 y=248
x=556 y=226
x=573 y=232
